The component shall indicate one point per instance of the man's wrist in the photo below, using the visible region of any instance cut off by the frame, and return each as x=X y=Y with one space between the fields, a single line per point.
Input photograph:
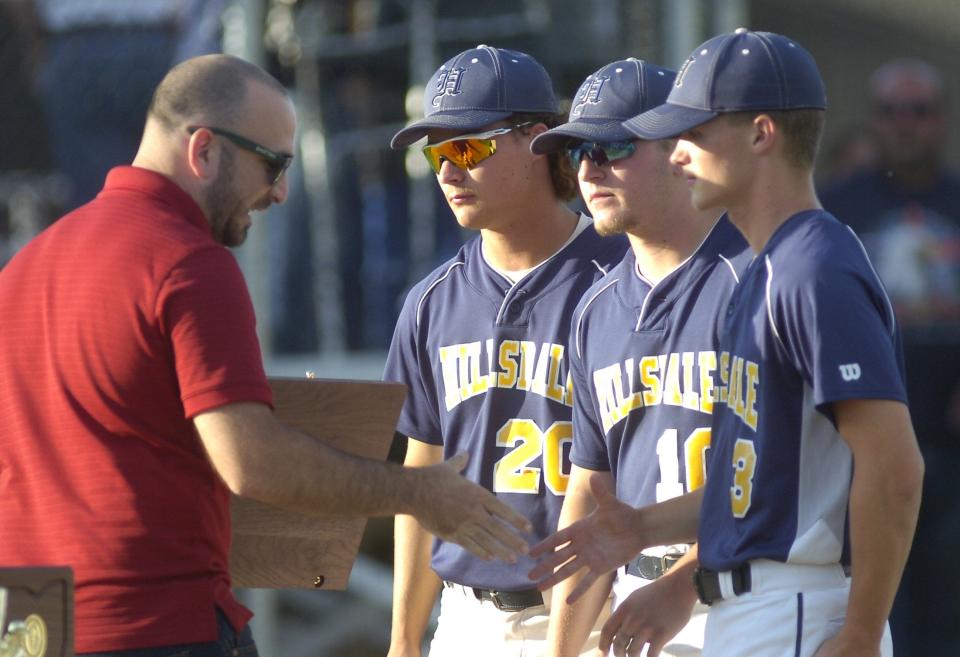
x=414 y=487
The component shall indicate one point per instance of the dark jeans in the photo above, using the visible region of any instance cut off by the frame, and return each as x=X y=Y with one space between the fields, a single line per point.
x=229 y=644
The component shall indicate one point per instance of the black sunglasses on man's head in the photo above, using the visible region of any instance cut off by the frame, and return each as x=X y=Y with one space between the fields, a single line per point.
x=278 y=162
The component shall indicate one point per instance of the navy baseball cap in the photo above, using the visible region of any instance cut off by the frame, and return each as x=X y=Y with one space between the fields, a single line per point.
x=735 y=72
x=478 y=87
x=605 y=100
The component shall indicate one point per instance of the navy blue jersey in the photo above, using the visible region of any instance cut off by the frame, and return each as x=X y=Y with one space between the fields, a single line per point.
x=809 y=324
x=643 y=359
x=486 y=364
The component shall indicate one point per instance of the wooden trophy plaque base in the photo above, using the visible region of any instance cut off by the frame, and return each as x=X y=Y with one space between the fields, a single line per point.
x=273 y=548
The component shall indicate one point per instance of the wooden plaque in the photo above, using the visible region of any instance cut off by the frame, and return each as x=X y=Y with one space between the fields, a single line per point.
x=36 y=612
x=273 y=548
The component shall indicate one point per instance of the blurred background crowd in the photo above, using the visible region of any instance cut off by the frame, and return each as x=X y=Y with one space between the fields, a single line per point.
x=328 y=270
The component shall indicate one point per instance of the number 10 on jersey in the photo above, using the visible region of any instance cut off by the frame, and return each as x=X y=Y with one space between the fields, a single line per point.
x=694 y=450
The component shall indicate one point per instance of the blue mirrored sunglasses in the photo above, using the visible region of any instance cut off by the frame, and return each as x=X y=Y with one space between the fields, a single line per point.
x=600 y=152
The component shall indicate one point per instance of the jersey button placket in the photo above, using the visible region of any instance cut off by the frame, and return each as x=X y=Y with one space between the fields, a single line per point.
x=515 y=307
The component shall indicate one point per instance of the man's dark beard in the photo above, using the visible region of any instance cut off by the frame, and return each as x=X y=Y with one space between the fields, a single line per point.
x=221 y=201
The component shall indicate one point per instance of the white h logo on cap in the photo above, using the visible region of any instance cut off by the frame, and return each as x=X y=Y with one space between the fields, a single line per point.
x=589 y=94
x=448 y=84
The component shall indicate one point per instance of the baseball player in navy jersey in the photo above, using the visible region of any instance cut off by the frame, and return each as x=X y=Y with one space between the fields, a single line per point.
x=814 y=471
x=482 y=345
x=643 y=343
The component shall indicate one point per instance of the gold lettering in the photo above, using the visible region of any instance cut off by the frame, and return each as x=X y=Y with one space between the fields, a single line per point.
x=724 y=377
x=554 y=387
x=734 y=384
x=690 y=398
x=528 y=354
x=606 y=381
x=707 y=362
x=633 y=400
x=671 y=392
x=649 y=366
x=463 y=361
x=737 y=375
x=753 y=380
x=491 y=371
x=507 y=378
x=449 y=366
x=478 y=383
x=568 y=397
x=539 y=383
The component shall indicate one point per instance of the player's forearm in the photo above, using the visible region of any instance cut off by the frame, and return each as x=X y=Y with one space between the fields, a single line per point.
x=570 y=624
x=884 y=503
x=669 y=522
x=415 y=587
x=883 y=517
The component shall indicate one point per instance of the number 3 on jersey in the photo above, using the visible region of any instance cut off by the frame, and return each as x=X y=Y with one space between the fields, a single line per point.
x=744 y=465
x=513 y=474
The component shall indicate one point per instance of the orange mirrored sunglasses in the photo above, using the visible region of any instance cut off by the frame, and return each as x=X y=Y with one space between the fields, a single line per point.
x=466 y=151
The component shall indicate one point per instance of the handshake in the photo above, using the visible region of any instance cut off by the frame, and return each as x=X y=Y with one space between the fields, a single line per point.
x=474 y=518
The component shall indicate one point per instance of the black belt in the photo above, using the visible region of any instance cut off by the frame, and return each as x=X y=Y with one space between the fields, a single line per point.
x=707 y=582
x=508 y=600
x=651 y=567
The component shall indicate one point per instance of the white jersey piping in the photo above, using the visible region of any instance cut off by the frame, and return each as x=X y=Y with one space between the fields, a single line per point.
x=576 y=336
x=433 y=285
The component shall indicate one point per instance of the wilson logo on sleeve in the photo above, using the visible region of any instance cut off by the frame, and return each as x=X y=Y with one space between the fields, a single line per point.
x=850 y=371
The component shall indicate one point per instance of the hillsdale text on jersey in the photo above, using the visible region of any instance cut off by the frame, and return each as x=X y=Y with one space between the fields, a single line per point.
x=468 y=371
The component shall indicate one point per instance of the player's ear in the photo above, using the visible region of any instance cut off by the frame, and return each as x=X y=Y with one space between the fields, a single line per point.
x=532 y=131
x=763 y=133
x=536 y=129
x=202 y=154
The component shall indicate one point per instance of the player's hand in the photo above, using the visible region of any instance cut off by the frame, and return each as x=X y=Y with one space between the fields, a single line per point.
x=842 y=645
x=458 y=510
x=598 y=543
x=652 y=614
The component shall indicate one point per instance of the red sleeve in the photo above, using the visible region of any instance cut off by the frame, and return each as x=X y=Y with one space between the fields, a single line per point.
x=205 y=309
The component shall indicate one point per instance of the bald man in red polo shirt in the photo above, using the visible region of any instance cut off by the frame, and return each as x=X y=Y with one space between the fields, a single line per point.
x=133 y=398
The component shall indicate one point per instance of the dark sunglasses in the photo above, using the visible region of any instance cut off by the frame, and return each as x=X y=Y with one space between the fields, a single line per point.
x=466 y=151
x=277 y=163
x=600 y=152
x=914 y=110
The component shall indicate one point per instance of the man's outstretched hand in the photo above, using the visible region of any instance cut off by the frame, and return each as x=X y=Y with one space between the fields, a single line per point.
x=599 y=543
x=458 y=510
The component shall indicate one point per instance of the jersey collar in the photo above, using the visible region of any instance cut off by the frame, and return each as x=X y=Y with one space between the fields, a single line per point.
x=151 y=183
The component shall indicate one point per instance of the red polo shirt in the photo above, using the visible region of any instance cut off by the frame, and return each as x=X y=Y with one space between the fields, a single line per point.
x=118 y=324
